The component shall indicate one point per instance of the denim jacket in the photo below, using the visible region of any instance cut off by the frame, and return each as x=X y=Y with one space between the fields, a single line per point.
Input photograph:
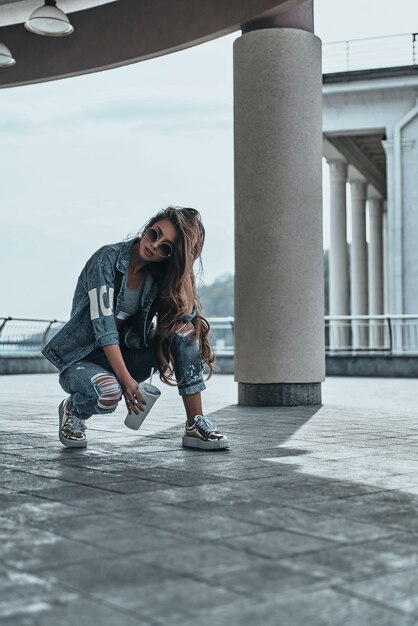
x=98 y=298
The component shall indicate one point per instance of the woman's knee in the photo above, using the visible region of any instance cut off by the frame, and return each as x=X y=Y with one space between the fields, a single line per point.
x=108 y=391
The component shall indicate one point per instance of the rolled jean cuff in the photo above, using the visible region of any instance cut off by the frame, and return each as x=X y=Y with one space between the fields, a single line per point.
x=188 y=390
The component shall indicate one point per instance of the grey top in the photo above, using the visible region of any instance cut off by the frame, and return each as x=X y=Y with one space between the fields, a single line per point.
x=131 y=299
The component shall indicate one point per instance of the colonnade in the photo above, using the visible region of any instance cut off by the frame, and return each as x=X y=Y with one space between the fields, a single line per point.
x=359 y=291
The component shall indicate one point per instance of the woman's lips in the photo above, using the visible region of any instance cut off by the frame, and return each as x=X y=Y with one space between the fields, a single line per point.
x=148 y=252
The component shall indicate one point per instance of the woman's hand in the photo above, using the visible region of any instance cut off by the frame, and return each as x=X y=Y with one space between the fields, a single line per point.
x=135 y=401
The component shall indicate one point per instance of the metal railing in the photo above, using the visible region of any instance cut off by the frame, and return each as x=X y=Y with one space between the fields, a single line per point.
x=222 y=335
x=388 y=335
x=371 y=53
x=344 y=334
x=25 y=337
x=372 y=334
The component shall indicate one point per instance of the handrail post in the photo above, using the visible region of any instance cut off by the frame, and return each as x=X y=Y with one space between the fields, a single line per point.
x=414 y=39
x=390 y=334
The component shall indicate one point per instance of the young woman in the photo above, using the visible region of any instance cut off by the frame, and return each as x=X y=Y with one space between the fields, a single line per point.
x=111 y=343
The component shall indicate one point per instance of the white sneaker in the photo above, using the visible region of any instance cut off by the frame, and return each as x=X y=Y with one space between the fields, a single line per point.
x=203 y=434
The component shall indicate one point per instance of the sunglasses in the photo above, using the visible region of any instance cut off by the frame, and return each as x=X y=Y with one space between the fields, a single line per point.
x=165 y=249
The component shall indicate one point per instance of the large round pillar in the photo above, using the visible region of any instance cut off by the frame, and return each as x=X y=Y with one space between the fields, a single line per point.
x=359 y=284
x=279 y=308
x=338 y=259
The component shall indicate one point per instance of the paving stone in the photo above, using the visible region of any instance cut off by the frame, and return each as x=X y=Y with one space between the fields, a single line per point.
x=381 y=508
x=174 y=600
x=277 y=543
x=398 y=590
x=360 y=560
x=26 y=483
x=108 y=575
x=196 y=560
x=312 y=523
x=179 y=478
x=317 y=608
x=40 y=549
x=23 y=593
x=184 y=522
x=69 y=610
x=268 y=581
x=82 y=526
x=98 y=498
x=132 y=540
x=38 y=511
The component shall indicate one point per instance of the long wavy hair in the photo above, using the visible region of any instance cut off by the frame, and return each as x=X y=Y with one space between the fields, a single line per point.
x=175 y=273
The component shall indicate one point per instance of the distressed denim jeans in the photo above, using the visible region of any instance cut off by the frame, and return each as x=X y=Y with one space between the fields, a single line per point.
x=94 y=388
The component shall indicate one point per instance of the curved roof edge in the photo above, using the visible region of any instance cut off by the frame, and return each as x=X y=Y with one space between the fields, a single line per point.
x=119 y=33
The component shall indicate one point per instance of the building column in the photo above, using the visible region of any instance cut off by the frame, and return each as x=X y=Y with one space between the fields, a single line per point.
x=359 y=295
x=279 y=308
x=391 y=248
x=338 y=258
x=385 y=259
x=376 y=290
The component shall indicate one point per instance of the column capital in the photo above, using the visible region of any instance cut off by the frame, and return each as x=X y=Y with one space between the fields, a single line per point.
x=338 y=169
x=406 y=144
x=298 y=15
x=358 y=189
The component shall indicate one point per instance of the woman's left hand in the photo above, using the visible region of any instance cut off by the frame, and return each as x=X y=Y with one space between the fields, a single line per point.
x=135 y=401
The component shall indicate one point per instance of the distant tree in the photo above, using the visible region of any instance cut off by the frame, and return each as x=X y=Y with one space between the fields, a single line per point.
x=218 y=298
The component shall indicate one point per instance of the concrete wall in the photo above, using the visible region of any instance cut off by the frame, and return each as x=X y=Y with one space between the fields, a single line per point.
x=367 y=366
x=367 y=105
x=25 y=365
x=373 y=366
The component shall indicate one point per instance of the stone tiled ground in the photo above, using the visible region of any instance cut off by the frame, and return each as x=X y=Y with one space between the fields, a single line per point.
x=310 y=519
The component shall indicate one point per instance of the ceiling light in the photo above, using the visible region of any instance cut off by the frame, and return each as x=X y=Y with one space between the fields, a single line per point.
x=6 y=59
x=49 y=20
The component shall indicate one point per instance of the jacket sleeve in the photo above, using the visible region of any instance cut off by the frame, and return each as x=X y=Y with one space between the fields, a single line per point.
x=99 y=279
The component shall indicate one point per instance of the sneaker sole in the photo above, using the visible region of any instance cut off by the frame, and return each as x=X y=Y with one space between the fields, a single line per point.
x=193 y=442
x=66 y=442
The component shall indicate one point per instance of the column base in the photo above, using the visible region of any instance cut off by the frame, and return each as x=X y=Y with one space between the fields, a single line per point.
x=279 y=394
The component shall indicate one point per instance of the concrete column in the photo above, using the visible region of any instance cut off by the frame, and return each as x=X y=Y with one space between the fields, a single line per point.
x=279 y=308
x=338 y=260
x=385 y=259
x=390 y=232
x=376 y=291
x=359 y=295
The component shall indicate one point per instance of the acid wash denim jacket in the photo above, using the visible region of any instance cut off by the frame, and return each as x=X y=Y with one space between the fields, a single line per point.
x=98 y=298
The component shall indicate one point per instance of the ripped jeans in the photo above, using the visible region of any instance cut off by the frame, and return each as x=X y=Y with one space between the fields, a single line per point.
x=95 y=389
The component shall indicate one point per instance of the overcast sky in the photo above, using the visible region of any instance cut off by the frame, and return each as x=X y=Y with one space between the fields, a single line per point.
x=85 y=161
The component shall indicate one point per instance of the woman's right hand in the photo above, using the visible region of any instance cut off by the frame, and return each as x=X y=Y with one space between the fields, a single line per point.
x=135 y=401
